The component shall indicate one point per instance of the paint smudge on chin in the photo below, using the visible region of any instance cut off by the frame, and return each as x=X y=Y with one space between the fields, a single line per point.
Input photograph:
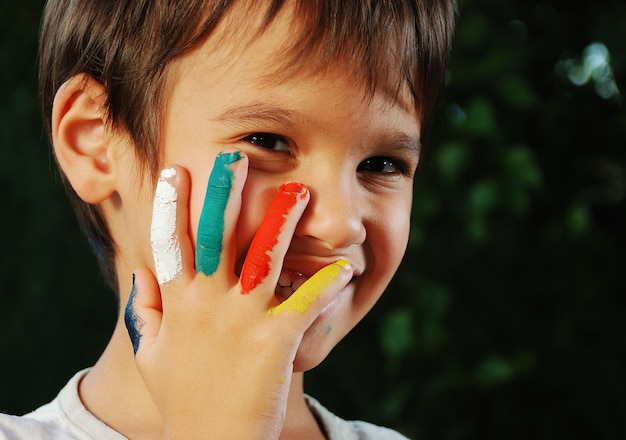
x=257 y=264
x=166 y=251
x=312 y=288
x=132 y=320
x=211 y=226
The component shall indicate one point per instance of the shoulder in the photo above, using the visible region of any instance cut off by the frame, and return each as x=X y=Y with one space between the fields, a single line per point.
x=338 y=428
x=64 y=418
x=44 y=423
x=14 y=427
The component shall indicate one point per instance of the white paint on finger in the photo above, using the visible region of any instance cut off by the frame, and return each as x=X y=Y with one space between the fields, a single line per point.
x=166 y=251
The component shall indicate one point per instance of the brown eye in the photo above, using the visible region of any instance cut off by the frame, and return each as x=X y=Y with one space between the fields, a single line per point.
x=383 y=165
x=268 y=141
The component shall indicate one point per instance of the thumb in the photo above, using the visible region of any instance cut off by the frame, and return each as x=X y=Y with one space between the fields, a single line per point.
x=143 y=313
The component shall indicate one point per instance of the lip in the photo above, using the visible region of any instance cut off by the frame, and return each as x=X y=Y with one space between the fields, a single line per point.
x=332 y=306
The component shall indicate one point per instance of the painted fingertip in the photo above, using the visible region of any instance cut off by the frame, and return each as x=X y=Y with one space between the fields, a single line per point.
x=343 y=263
x=293 y=188
x=168 y=173
x=132 y=320
x=229 y=157
x=211 y=225
x=166 y=249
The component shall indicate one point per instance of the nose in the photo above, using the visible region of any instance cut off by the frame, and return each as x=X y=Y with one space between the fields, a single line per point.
x=334 y=217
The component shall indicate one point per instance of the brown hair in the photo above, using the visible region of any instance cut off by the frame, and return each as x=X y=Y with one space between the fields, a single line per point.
x=127 y=46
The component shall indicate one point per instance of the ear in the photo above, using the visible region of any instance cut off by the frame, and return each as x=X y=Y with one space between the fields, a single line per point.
x=83 y=141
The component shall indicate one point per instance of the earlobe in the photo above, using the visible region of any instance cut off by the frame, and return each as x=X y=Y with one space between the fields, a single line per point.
x=82 y=139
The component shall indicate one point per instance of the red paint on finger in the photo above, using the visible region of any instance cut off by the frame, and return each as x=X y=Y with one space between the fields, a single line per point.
x=257 y=264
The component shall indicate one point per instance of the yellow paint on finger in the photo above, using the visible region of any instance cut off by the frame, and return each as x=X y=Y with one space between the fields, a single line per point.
x=312 y=288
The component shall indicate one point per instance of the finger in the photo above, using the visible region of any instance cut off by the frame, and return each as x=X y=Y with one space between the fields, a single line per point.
x=169 y=232
x=211 y=228
x=317 y=292
x=143 y=313
x=280 y=220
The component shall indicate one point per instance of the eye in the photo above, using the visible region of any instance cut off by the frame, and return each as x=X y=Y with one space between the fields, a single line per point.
x=383 y=165
x=268 y=141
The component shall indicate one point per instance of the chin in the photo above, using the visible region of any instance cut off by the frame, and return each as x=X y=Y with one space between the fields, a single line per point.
x=333 y=324
x=318 y=341
x=308 y=358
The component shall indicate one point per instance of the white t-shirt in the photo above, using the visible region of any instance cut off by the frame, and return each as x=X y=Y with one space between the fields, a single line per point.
x=67 y=418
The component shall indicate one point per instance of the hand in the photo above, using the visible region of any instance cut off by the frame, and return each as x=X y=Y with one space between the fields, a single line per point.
x=216 y=351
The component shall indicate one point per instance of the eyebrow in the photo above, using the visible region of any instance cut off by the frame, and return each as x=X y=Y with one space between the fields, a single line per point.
x=260 y=113
x=403 y=143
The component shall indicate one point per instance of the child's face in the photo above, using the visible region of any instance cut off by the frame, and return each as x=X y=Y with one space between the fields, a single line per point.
x=356 y=155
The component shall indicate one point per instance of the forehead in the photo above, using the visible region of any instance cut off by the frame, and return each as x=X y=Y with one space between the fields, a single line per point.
x=298 y=40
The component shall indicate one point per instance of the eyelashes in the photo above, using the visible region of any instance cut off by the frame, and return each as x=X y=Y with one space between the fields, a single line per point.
x=268 y=141
x=384 y=165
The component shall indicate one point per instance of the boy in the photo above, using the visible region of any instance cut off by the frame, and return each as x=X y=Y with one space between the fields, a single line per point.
x=244 y=172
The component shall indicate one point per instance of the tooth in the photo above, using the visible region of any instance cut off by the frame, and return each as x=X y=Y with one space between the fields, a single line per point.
x=297 y=283
x=284 y=280
x=289 y=282
x=285 y=292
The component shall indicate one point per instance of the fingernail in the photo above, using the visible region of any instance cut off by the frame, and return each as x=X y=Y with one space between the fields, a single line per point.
x=293 y=188
x=343 y=263
x=167 y=173
x=227 y=158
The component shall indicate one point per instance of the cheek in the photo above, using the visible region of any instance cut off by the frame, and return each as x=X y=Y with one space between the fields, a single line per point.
x=386 y=242
x=390 y=234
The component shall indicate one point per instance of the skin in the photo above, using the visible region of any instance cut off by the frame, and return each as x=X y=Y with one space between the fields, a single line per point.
x=199 y=336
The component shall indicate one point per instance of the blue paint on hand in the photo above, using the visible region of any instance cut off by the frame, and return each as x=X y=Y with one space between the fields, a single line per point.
x=132 y=320
x=211 y=226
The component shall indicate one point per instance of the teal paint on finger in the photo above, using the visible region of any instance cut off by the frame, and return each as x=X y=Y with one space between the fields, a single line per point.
x=132 y=320
x=211 y=226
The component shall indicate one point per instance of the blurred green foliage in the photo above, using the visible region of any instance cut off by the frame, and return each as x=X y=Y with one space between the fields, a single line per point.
x=506 y=318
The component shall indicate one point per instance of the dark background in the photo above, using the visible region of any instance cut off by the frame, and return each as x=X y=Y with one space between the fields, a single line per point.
x=506 y=319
